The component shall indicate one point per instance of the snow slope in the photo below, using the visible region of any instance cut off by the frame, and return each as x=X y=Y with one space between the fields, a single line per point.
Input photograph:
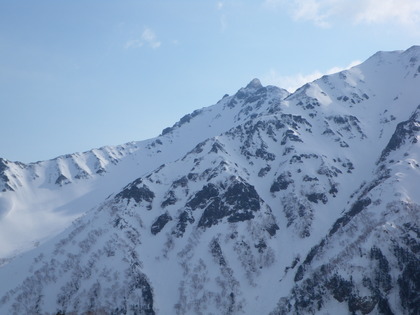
x=263 y=203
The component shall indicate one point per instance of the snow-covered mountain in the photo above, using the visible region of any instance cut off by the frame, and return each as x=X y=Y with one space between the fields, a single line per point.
x=40 y=199
x=264 y=203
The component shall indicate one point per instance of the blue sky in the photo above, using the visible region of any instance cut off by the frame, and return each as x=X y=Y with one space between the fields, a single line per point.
x=75 y=75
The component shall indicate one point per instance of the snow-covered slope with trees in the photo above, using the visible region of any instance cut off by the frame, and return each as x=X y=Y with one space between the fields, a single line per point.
x=265 y=203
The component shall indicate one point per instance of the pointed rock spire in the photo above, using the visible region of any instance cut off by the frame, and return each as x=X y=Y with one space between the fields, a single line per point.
x=254 y=84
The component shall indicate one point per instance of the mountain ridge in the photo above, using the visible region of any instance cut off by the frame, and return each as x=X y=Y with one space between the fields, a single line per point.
x=60 y=173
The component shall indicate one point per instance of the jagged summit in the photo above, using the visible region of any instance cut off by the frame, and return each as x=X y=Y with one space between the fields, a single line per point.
x=254 y=84
x=252 y=100
x=264 y=203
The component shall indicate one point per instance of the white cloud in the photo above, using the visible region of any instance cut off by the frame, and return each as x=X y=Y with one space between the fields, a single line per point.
x=220 y=5
x=148 y=37
x=317 y=11
x=406 y=12
x=322 y=12
x=293 y=82
x=311 y=10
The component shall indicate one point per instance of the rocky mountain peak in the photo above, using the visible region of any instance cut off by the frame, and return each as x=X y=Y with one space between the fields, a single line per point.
x=254 y=84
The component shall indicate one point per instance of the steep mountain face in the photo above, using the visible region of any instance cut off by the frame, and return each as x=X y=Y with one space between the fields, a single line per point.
x=40 y=199
x=265 y=203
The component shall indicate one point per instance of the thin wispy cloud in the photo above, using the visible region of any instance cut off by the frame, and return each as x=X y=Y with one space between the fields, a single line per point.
x=311 y=10
x=147 y=38
x=293 y=82
x=406 y=12
x=133 y=43
x=222 y=18
x=324 y=13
